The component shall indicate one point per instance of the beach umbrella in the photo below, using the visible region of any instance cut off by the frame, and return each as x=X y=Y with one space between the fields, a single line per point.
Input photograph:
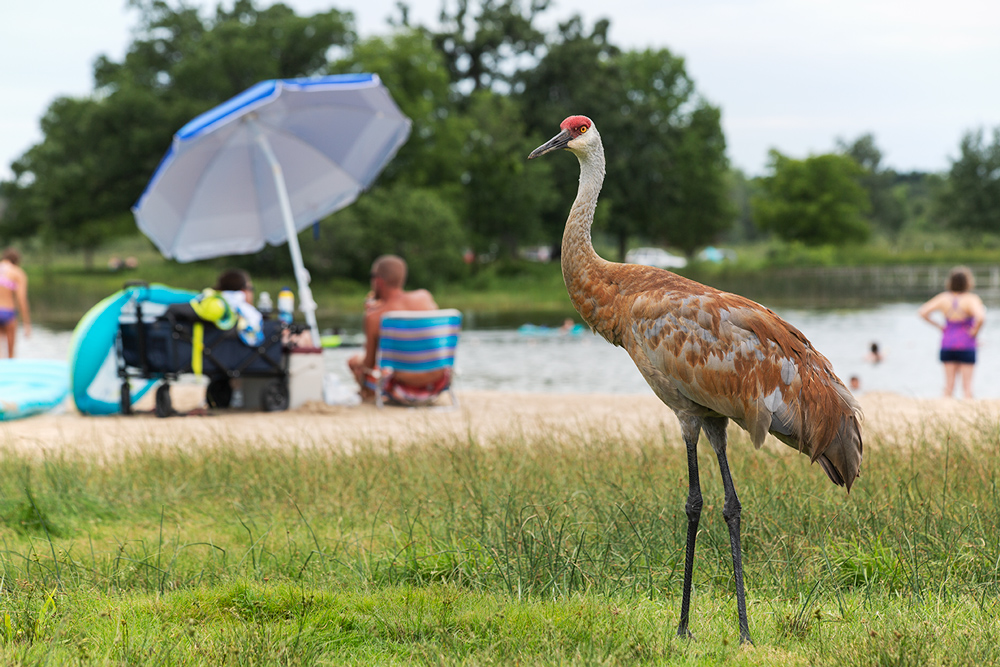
x=267 y=164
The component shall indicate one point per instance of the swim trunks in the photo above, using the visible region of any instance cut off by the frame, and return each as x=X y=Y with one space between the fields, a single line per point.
x=405 y=394
x=958 y=356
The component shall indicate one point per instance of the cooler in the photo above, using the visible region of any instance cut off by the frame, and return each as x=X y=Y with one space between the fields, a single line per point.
x=305 y=375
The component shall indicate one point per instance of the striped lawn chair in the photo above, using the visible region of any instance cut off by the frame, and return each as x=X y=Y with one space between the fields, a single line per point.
x=416 y=341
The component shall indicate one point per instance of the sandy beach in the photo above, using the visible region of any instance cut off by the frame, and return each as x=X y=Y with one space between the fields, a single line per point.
x=481 y=415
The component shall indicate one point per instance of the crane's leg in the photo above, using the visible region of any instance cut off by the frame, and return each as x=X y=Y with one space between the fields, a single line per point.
x=715 y=429
x=691 y=429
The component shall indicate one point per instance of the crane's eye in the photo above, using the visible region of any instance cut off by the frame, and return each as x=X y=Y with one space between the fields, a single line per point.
x=582 y=129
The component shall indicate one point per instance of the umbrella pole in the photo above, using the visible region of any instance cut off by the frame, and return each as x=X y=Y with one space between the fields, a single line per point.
x=306 y=302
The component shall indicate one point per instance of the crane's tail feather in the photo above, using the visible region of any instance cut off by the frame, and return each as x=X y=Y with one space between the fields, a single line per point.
x=831 y=470
x=835 y=445
x=841 y=458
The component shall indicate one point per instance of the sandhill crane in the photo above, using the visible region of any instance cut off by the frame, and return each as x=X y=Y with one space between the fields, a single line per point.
x=709 y=355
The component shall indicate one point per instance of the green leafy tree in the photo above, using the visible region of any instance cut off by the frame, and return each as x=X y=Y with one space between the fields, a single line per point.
x=414 y=223
x=483 y=40
x=206 y=61
x=700 y=211
x=473 y=156
x=76 y=187
x=414 y=71
x=574 y=76
x=741 y=191
x=815 y=201
x=972 y=199
x=424 y=178
x=888 y=212
x=664 y=143
x=504 y=200
x=920 y=194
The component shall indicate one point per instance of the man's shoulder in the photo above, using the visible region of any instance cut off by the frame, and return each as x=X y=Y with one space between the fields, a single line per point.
x=420 y=299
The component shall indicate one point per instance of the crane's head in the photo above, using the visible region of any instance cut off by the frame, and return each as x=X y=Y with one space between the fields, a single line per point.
x=576 y=132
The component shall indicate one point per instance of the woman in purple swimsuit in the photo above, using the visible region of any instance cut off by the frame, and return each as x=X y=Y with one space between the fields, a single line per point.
x=964 y=314
x=13 y=298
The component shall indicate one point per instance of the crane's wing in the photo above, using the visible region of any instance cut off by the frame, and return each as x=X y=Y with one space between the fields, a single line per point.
x=742 y=361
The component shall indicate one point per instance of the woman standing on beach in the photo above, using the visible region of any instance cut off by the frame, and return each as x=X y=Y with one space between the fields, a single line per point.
x=13 y=298
x=964 y=314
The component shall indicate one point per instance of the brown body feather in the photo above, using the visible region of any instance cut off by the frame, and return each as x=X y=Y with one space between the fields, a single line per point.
x=711 y=353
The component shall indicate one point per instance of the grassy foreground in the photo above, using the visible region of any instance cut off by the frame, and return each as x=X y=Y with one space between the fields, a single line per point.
x=503 y=552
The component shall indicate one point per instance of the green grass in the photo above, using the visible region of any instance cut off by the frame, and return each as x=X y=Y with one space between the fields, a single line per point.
x=502 y=552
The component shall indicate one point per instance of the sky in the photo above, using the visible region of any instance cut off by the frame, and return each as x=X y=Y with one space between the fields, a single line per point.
x=793 y=75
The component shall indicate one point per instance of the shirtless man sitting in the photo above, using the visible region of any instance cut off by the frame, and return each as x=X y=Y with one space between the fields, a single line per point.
x=388 y=276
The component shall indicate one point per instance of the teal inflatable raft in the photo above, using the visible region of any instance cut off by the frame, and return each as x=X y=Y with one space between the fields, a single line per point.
x=31 y=386
x=93 y=376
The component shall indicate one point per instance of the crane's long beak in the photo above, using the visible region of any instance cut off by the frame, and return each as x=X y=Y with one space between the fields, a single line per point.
x=555 y=143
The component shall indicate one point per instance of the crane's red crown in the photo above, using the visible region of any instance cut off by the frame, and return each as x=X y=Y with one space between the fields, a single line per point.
x=576 y=125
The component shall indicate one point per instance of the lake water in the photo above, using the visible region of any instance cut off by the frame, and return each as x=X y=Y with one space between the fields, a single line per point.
x=504 y=360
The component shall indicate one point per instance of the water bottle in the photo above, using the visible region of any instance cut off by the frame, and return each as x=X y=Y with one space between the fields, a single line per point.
x=286 y=304
x=264 y=305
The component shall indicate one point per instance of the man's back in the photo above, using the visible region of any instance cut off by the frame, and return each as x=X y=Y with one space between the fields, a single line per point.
x=419 y=299
x=388 y=276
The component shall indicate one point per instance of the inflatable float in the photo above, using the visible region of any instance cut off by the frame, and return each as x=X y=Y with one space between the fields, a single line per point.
x=93 y=370
x=541 y=330
x=31 y=386
x=328 y=341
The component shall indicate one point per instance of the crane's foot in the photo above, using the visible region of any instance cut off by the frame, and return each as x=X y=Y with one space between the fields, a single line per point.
x=684 y=633
x=745 y=640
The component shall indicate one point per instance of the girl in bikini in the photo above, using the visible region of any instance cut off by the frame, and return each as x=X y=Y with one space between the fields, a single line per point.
x=13 y=298
x=964 y=314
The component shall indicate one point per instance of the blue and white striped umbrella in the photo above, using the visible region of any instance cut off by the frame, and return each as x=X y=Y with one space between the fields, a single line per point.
x=267 y=164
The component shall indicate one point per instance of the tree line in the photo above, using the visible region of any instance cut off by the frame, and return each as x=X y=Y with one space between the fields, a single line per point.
x=483 y=87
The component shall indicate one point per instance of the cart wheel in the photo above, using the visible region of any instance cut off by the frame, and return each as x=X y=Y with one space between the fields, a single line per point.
x=163 y=406
x=126 y=400
x=219 y=393
x=274 y=396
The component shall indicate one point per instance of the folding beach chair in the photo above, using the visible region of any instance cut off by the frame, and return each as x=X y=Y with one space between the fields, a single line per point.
x=416 y=341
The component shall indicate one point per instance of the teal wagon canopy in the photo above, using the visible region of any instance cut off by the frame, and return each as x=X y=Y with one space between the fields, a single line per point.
x=267 y=164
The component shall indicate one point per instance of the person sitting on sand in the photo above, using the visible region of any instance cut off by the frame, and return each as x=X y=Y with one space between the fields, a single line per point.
x=234 y=291
x=236 y=288
x=388 y=276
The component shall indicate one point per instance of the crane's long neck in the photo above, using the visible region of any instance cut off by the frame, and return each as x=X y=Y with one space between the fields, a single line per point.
x=583 y=270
